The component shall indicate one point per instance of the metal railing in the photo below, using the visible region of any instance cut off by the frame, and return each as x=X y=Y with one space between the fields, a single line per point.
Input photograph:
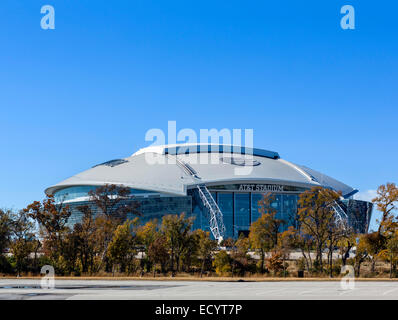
x=216 y=222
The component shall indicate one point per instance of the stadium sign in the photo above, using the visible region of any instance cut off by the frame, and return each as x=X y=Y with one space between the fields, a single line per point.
x=261 y=187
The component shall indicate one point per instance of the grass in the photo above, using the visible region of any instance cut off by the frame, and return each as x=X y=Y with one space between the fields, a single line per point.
x=196 y=278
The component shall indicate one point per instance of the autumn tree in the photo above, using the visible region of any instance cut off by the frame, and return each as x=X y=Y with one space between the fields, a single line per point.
x=22 y=241
x=259 y=239
x=346 y=242
x=286 y=242
x=239 y=256
x=337 y=230
x=189 y=254
x=361 y=254
x=110 y=199
x=386 y=201
x=206 y=246
x=263 y=235
x=275 y=262
x=121 y=249
x=392 y=254
x=158 y=253
x=222 y=262
x=316 y=215
x=114 y=203
x=5 y=230
x=52 y=217
x=176 y=229
x=272 y=222
x=146 y=235
x=303 y=242
x=87 y=246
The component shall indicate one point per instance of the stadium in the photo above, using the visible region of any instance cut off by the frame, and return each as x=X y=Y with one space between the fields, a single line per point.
x=219 y=185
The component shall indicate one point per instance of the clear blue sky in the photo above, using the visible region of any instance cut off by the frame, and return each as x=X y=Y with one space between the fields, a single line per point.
x=89 y=90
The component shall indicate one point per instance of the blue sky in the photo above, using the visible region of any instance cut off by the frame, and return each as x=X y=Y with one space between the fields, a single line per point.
x=89 y=90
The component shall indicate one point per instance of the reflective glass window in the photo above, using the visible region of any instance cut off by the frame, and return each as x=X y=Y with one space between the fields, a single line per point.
x=225 y=203
x=242 y=212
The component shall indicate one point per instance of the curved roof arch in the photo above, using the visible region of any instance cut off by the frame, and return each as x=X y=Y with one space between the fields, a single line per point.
x=173 y=169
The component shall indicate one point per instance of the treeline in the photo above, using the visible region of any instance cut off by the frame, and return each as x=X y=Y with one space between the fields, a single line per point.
x=107 y=242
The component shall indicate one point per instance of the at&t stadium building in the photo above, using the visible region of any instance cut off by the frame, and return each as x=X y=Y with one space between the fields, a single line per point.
x=219 y=185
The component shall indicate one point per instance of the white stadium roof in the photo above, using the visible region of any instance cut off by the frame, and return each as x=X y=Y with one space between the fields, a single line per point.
x=180 y=167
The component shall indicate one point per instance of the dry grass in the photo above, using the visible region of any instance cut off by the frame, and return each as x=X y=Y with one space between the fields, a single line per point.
x=196 y=278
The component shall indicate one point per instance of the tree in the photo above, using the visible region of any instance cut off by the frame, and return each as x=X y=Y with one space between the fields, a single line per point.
x=275 y=262
x=286 y=242
x=146 y=235
x=5 y=229
x=373 y=243
x=158 y=252
x=87 y=246
x=239 y=257
x=337 y=230
x=316 y=215
x=303 y=242
x=390 y=254
x=360 y=255
x=23 y=240
x=121 y=249
x=110 y=199
x=259 y=239
x=264 y=232
x=206 y=246
x=386 y=200
x=176 y=229
x=189 y=254
x=52 y=218
x=346 y=242
x=114 y=203
x=272 y=223
x=222 y=262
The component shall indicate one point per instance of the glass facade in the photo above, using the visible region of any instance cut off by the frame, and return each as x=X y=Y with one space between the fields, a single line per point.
x=242 y=213
x=225 y=202
x=239 y=209
x=76 y=192
x=150 y=208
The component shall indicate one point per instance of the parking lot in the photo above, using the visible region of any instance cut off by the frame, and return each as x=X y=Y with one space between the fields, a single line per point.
x=208 y=290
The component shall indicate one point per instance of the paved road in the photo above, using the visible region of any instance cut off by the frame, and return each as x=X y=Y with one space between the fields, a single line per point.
x=180 y=290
